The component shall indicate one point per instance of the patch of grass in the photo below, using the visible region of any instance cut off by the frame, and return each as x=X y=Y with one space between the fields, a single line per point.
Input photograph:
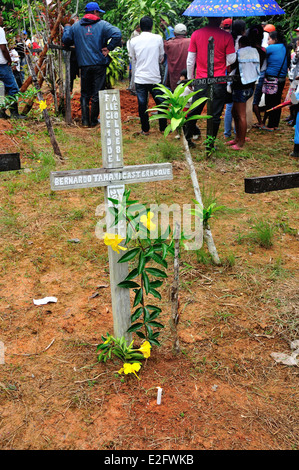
x=263 y=233
x=165 y=150
x=75 y=214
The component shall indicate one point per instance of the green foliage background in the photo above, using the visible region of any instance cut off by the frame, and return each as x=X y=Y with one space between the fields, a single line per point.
x=126 y=13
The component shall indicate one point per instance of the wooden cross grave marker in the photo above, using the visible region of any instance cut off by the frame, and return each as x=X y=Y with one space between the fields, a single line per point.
x=113 y=176
x=210 y=81
x=265 y=184
x=8 y=161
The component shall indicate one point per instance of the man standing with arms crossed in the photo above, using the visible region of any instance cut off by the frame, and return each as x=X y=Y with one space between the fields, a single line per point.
x=148 y=53
x=224 y=55
x=90 y=35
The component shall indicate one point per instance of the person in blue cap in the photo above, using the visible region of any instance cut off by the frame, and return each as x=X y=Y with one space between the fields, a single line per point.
x=93 y=38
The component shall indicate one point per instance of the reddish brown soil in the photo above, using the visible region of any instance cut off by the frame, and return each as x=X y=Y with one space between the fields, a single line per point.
x=128 y=104
x=223 y=391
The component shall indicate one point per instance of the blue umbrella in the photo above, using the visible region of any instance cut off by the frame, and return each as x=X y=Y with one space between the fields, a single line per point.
x=229 y=8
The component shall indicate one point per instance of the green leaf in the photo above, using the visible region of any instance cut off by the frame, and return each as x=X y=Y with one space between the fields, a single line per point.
x=154 y=308
x=158 y=259
x=138 y=312
x=156 y=284
x=141 y=264
x=128 y=284
x=134 y=327
x=155 y=324
x=146 y=315
x=134 y=273
x=156 y=272
x=154 y=315
x=154 y=341
x=140 y=334
x=114 y=201
x=155 y=293
x=175 y=123
x=138 y=297
x=146 y=282
x=129 y=255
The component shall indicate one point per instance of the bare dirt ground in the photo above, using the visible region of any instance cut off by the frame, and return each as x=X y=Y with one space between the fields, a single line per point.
x=224 y=390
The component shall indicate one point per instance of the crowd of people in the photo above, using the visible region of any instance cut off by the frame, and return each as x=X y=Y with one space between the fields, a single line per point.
x=13 y=63
x=254 y=63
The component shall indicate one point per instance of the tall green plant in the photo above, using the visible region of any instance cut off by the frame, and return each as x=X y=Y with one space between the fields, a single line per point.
x=173 y=108
x=147 y=251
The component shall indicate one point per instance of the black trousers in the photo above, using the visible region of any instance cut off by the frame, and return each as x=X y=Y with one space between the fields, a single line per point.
x=142 y=91
x=219 y=96
x=93 y=79
x=271 y=101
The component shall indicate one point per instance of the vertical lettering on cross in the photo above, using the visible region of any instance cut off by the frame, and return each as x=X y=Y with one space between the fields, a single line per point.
x=210 y=85
x=112 y=155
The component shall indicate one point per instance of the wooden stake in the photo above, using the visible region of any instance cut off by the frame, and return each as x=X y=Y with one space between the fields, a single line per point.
x=175 y=291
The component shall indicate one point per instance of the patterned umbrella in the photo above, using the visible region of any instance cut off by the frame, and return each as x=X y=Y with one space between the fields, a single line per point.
x=229 y=8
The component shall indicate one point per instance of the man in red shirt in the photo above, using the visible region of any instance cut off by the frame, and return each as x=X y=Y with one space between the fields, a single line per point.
x=176 y=50
x=224 y=55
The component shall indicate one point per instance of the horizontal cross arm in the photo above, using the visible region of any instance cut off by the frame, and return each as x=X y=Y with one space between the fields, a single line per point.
x=91 y=178
x=264 y=184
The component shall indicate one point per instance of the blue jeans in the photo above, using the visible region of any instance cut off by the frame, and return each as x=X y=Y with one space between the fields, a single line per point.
x=8 y=78
x=241 y=96
x=228 y=119
x=142 y=91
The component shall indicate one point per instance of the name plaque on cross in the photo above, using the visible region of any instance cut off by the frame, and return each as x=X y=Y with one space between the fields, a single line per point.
x=113 y=176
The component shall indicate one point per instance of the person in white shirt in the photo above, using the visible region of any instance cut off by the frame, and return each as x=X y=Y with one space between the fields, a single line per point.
x=147 y=51
x=6 y=74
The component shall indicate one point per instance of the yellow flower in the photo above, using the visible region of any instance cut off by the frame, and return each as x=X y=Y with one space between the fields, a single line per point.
x=145 y=349
x=42 y=105
x=146 y=221
x=113 y=240
x=130 y=369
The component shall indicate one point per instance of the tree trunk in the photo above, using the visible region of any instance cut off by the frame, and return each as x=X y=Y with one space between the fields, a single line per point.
x=48 y=122
x=54 y=33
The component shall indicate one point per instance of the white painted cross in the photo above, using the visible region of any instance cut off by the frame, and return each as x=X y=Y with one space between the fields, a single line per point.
x=113 y=176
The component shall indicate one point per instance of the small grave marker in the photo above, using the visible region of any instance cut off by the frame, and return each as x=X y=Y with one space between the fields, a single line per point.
x=10 y=161
x=113 y=176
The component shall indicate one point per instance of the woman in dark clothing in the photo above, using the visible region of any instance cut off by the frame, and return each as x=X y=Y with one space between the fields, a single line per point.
x=278 y=60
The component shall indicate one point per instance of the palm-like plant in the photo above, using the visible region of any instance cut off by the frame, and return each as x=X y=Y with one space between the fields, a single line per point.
x=173 y=108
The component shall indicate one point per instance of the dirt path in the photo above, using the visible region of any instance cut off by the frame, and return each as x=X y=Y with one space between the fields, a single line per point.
x=224 y=390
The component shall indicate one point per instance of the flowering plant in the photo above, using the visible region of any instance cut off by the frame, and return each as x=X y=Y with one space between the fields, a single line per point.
x=148 y=251
x=130 y=356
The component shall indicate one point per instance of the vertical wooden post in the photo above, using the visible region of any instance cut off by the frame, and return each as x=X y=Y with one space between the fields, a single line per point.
x=175 y=292
x=210 y=92
x=68 y=109
x=112 y=155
